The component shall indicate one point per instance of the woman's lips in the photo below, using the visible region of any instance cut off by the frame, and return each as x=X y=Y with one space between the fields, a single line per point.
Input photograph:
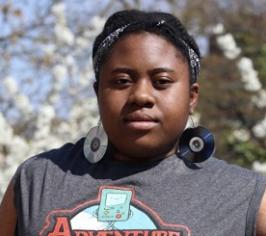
x=140 y=121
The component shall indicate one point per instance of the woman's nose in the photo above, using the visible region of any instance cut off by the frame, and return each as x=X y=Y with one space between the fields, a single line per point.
x=142 y=94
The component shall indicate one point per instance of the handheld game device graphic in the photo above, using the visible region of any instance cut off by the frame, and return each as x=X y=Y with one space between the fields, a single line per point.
x=114 y=205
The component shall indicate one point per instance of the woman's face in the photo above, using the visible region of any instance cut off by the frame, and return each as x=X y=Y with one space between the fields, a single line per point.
x=144 y=96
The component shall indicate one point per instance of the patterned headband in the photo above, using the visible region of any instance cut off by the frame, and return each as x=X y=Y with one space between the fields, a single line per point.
x=193 y=58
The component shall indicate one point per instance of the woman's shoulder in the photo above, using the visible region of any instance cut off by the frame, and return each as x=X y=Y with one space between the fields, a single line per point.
x=243 y=186
x=218 y=165
x=232 y=176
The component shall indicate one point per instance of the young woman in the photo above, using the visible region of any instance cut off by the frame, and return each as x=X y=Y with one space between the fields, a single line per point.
x=146 y=68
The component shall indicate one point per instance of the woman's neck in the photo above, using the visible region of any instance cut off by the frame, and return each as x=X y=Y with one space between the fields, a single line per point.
x=118 y=156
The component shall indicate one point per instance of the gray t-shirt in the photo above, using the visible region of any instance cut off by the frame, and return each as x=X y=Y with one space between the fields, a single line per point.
x=59 y=193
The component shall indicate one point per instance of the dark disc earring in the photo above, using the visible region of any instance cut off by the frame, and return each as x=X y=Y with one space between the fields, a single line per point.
x=196 y=144
x=95 y=144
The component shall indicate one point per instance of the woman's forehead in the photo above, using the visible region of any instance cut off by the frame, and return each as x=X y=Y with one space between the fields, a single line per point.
x=144 y=43
x=144 y=53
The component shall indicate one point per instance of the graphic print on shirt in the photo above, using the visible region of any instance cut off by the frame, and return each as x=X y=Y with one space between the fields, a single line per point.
x=115 y=212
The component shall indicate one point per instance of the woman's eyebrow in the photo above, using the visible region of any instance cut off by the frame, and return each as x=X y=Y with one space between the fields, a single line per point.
x=162 y=69
x=131 y=71
x=123 y=70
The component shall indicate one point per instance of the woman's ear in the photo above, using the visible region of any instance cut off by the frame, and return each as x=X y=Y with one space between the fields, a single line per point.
x=194 y=96
x=95 y=87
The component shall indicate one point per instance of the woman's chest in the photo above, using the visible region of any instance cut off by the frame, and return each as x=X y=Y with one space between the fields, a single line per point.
x=131 y=207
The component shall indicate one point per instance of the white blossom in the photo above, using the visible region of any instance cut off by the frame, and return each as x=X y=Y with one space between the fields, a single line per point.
x=59 y=72
x=63 y=128
x=49 y=49
x=260 y=99
x=45 y=143
x=62 y=32
x=260 y=167
x=228 y=45
x=7 y=132
x=23 y=103
x=82 y=42
x=218 y=29
x=69 y=60
x=241 y=135
x=18 y=150
x=64 y=35
x=248 y=75
x=97 y=23
x=86 y=76
x=80 y=113
x=42 y=132
x=58 y=10
x=46 y=113
x=10 y=85
x=45 y=116
x=54 y=97
x=259 y=129
x=92 y=104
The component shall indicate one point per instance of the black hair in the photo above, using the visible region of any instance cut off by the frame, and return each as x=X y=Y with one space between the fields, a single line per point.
x=139 y=21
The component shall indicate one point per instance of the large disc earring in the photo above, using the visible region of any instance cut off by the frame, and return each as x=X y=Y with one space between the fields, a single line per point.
x=95 y=144
x=196 y=144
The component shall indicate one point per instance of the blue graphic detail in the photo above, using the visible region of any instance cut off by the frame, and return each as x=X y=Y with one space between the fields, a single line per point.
x=88 y=220
x=114 y=205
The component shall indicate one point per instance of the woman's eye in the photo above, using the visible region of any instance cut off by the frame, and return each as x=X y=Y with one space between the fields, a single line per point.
x=122 y=81
x=162 y=82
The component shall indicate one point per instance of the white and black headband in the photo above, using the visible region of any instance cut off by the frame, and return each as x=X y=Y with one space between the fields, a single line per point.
x=108 y=42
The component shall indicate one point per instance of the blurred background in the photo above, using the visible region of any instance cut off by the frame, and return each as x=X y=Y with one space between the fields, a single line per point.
x=46 y=95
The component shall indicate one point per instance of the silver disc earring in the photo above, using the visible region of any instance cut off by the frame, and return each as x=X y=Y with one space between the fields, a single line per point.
x=95 y=144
